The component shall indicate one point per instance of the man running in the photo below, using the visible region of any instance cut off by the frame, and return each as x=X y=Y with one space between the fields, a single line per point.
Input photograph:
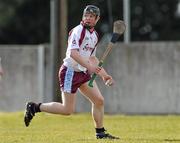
x=80 y=62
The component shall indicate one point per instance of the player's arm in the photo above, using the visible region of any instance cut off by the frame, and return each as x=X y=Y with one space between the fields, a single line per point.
x=108 y=80
x=85 y=63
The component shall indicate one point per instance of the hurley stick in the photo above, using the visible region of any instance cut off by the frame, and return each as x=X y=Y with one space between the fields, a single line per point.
x=118 y=29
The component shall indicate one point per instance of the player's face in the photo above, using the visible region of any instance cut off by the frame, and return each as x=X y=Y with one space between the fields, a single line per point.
x=90 y=19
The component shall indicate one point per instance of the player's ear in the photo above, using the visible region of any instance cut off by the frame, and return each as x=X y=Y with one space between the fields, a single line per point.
x=97 y=18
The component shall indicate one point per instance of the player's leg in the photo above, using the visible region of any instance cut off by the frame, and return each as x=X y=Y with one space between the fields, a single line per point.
x=64 y=108
x=66 y=78
x=97 y=100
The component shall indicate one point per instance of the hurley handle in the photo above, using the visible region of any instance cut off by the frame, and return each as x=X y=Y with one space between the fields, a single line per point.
x=94 y=75
x=118 y=29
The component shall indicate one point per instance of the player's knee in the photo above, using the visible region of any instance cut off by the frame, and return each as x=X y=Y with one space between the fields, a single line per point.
x=68 y=112
x=100 y=102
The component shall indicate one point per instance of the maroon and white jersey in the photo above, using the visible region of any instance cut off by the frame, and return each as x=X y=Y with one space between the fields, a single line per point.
x=85 y=41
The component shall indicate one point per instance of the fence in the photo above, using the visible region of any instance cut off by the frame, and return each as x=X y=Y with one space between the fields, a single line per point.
x=146 y=78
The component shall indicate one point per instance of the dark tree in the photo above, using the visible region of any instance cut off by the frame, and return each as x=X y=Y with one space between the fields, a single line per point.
x=154 y=20
x=29 y=23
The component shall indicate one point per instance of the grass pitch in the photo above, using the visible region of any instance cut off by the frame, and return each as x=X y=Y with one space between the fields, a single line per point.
x=78 y=128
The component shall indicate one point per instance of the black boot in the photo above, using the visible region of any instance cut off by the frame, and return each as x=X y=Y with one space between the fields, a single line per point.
x=31 y=109
x=101 y=134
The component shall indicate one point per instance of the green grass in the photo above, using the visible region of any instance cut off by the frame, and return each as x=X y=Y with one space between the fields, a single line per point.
x=78 y=128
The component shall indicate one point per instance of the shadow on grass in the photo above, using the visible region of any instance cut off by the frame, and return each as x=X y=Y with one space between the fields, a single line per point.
x=132 y=139
x=172 y=140
x=153 y=139
x=94 y=139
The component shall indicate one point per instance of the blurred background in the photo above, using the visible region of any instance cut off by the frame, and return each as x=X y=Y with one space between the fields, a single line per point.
x=145 y=62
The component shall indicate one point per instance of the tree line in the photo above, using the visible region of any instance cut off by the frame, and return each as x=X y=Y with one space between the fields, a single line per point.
x=28 y=21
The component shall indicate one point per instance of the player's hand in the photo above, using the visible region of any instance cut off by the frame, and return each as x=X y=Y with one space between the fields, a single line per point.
x=108 y=80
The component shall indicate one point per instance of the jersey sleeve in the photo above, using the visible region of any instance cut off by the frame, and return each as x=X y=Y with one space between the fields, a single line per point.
x=73 y=40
